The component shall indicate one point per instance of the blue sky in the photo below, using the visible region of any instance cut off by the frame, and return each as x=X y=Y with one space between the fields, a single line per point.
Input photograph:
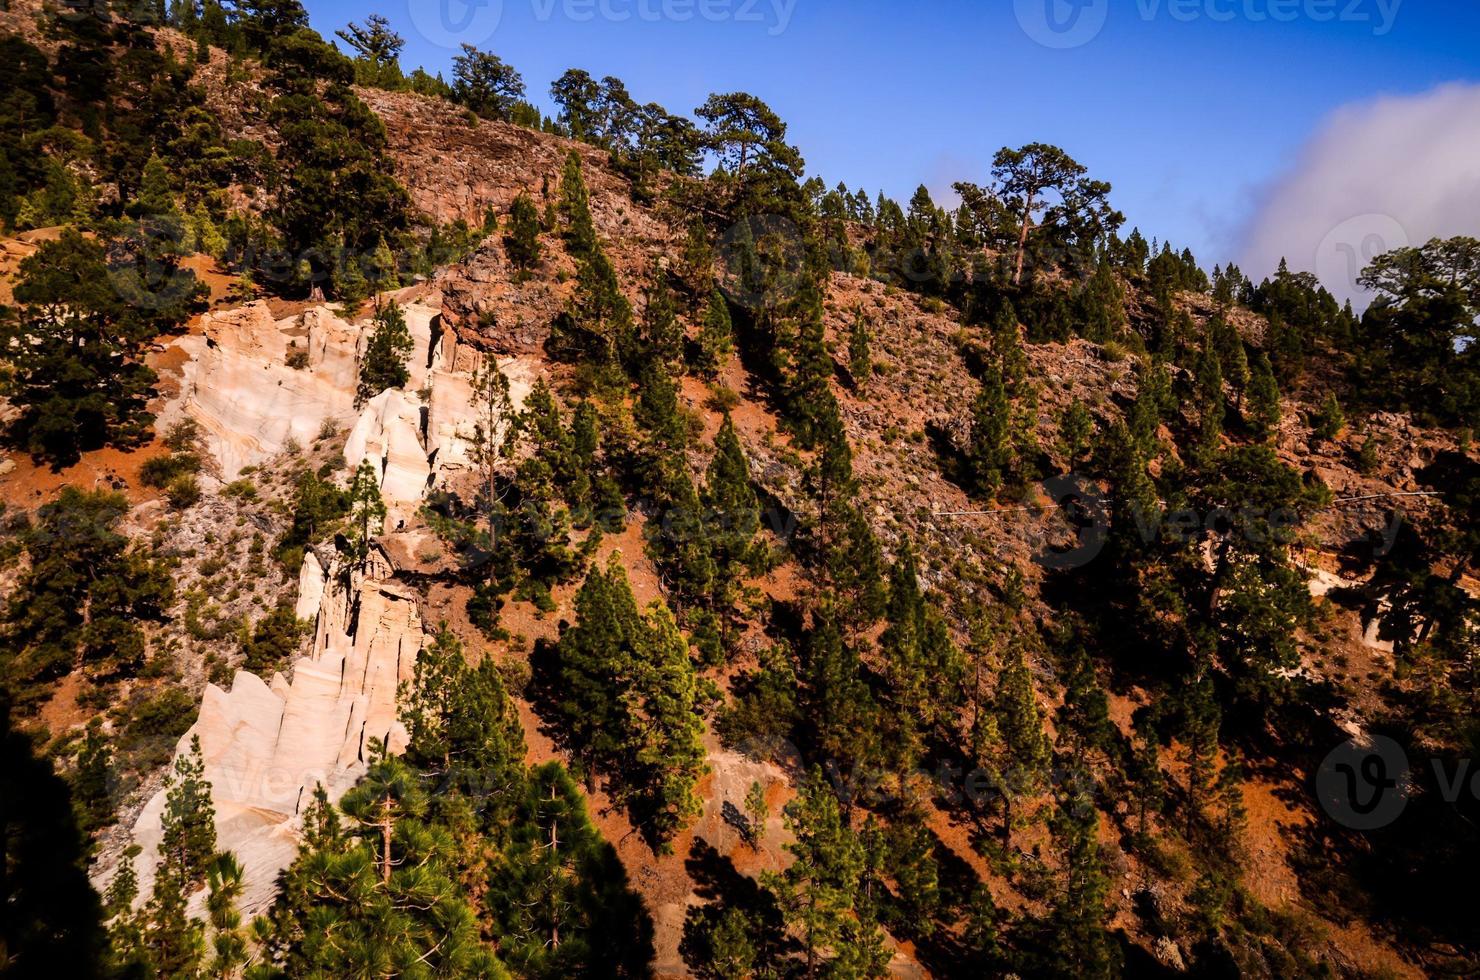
x=1193 y=109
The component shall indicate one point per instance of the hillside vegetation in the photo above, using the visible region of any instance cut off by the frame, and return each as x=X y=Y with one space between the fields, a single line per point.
x=814 y=585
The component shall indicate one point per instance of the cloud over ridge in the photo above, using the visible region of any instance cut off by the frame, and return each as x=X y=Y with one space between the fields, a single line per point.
x=1377 y=175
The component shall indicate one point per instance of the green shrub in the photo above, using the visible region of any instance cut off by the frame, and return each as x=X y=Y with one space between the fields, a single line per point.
x=162 y=470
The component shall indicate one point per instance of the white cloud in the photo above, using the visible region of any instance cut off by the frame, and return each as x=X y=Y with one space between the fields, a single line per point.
x=1377 y=175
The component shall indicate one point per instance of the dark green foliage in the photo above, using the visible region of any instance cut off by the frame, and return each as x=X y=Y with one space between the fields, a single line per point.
x=989 y=453
x=84 y=596
x=1076 y=429
x=336 y=187
x=1010 y=744
x=662 y=333
x=628 y=702
x=79 y=378
x=94 y=781
x=1263 y=397
x=272 y=642
x=1418 y=340
x=366 y=517
x=188 y=841
x=52 y=926
x=482 y=82
x=559 y=895
x=1077 y=941
x=161 y=471
x=923 y=667
x=377 y=52
x=716 y=335
x=384 y=362
x=317 y=506
x=378 y=893
x=1330 y=420
x=1083 y=721
x=818 y=893
x=731 y=514
x=523 y=240
x=463 y=728
x=1102 y=305
x=575 y=208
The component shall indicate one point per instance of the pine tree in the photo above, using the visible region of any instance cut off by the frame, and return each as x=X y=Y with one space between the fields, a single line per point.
x=383 y=364
x=557 y=894
x=669 y=748
x=860 y=363
x=81 y=382
x=93 y=783
x=1019 y=760
x=818 y=891
x=1084 y=718
x=1210 y=400
x=495 y=436
x=922 y=665
x=575 y=209
x=1007 y=347
x=523 y=240
x=208 y=237
x=731 y=513
x=989 y=454
x=698 y=259
x=594 y=659
x=1264 y=397
x=348 y=281
x=188 y=840
x=658 y=412
x=1331 y=420
x=839 y=702
x=228 y=939
x=383 y=273
x=757 y=812
x=663 y=336
x=173 y=943
x=715 y=335
x=155 y=198
x=366 y=512
x=375 y=894
x=1076 y=429
x=1079 y=943
x=809 y=396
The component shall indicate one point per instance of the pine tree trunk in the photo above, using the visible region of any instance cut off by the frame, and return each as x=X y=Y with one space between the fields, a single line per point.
x=385 y=841
x=1022 y=248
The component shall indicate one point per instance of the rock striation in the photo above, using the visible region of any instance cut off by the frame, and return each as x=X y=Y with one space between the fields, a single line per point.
x=267 y=744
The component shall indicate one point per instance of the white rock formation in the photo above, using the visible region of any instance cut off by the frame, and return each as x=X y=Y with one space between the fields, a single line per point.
x=266 y=746
x=237 y=383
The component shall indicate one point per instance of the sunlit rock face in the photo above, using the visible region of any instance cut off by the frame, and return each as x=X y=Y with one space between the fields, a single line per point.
x=251 y=398
x=267 y=745
x=255 y=385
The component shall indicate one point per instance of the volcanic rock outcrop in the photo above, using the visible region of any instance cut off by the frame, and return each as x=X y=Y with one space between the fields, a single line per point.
x=266 y=744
